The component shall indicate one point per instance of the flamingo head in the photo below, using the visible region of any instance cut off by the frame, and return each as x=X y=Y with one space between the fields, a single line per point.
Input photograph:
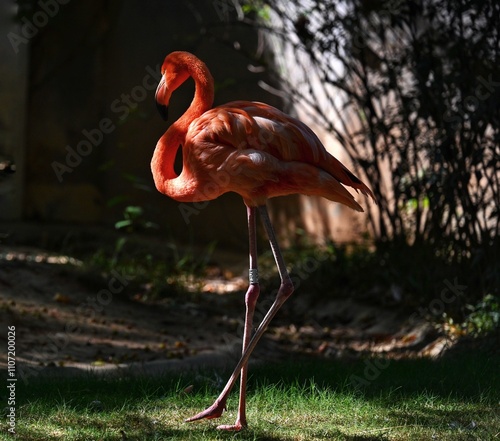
x=162 y=99
x=175 y=70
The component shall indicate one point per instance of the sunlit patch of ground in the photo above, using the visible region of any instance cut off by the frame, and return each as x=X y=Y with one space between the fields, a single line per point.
x=62 y=319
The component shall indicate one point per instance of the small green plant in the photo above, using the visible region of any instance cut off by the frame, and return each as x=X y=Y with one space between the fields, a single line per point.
x=484 y=317
x=133 y=220
x=257 y=7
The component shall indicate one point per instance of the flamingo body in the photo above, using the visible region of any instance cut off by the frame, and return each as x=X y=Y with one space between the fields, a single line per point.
x=252 y=149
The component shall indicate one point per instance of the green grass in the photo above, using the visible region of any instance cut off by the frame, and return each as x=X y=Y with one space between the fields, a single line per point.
x=453 y=399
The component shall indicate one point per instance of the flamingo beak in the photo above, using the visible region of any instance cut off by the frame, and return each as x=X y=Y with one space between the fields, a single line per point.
x=160 y=99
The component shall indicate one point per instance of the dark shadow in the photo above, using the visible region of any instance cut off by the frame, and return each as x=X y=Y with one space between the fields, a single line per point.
x=466 y=377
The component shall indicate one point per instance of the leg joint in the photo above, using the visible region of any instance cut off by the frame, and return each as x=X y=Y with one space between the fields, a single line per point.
x=252 y=295
x=286 y=288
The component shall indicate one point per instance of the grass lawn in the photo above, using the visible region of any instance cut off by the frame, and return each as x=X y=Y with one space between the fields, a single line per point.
x=451 y=399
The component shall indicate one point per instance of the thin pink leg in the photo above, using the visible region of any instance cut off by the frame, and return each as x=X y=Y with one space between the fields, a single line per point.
x=250 y=301
x=285 y=290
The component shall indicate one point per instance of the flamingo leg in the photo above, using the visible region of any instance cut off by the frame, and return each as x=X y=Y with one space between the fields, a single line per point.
x=250 y=301
x=285 y=290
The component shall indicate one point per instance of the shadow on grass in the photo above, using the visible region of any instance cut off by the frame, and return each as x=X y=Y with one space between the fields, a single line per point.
x=467 y=375
x=137 y=405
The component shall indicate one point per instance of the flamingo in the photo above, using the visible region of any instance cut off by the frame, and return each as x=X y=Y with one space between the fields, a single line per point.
x=252 y=149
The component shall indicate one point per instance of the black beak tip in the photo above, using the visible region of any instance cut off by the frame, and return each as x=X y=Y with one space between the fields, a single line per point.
x=163 y=110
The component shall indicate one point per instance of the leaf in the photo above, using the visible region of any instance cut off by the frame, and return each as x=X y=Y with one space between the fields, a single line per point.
x=123 y=224
x=133 y=211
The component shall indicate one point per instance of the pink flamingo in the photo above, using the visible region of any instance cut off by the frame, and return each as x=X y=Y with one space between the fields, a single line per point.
x=256 y=151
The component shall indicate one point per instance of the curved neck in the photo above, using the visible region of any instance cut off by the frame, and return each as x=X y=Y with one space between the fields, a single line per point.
x=162 y=164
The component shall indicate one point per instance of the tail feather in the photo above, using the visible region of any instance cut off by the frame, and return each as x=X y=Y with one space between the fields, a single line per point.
x=340 y=172
x=325 y=185
x=335 y=191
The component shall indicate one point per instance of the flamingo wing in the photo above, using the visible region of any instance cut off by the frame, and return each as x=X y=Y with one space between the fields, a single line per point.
x=264 y=153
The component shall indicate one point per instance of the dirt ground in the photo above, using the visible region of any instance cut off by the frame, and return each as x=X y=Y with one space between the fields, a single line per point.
x=67 y=319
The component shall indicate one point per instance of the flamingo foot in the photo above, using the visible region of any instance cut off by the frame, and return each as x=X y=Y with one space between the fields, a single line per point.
x=214 y=411
x=236 y=427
